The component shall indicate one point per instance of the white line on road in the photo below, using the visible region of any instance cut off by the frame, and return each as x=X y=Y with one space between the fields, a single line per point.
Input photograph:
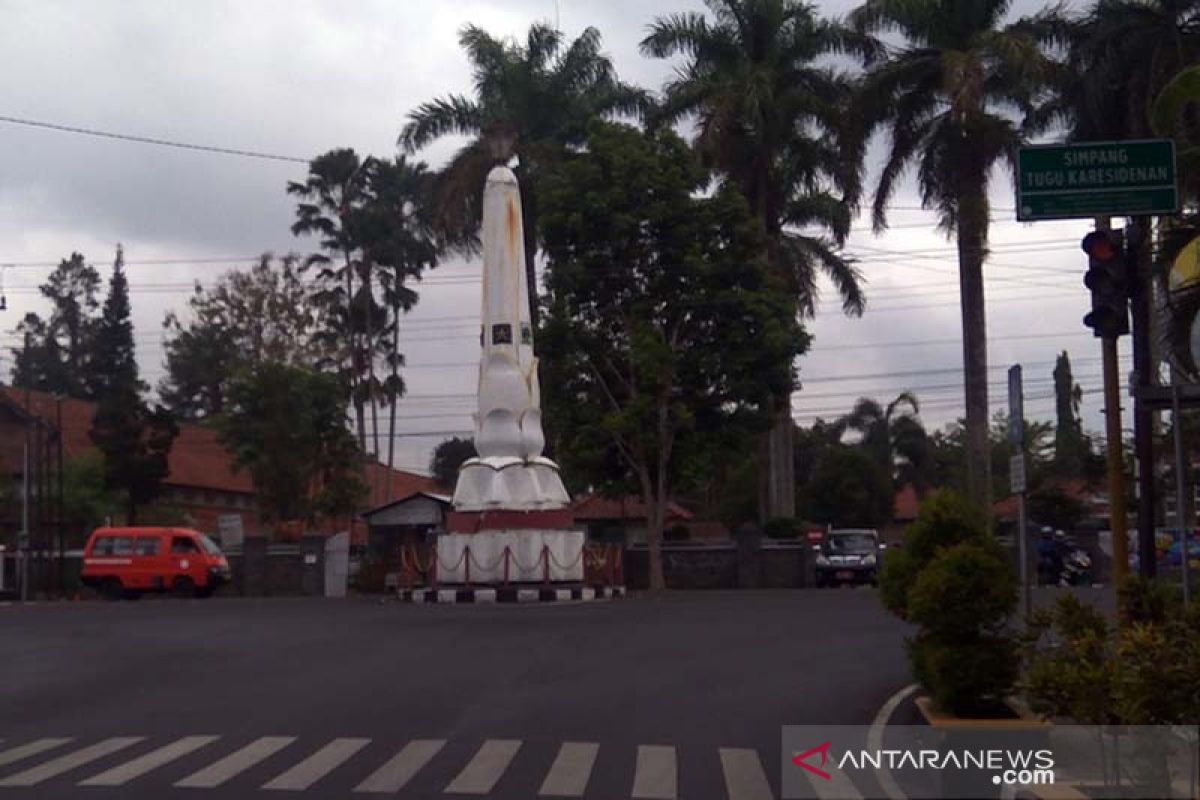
x=481 y=774
x=15 y=754
x=568 y=776
x=745 y=778
x=875 y=739
x=70 y=761
x=124 y=773
x=400 y=769
x=318 y=765
x=655 y=777
x=236 y=763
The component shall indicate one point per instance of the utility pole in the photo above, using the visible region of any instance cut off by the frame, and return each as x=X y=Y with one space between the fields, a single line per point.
x=1144 y=378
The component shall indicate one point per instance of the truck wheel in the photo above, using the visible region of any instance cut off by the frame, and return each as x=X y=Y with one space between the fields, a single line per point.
x=184 y=587
x=112 y=589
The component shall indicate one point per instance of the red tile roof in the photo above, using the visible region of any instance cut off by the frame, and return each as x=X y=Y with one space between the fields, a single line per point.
x=906 y=504
x=197 y=459
x=630 y=507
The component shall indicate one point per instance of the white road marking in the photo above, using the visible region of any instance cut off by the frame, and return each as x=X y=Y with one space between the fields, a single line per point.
x=568 y=776
x=318 y=765
x=124 y=773
x=875 y=739
x=482 y=772
x=655 y=777
x=745 y=778
x=400 y=769
x=236 y=763
x=32 y=749
x=70 y=761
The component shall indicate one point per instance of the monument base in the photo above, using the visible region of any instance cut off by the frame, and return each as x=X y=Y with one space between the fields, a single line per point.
x=511 y=556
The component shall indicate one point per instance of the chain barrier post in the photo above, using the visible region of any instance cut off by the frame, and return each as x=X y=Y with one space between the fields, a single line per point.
x=467 y=565
x=506 y=565
x=546 y=564
x=433 y=567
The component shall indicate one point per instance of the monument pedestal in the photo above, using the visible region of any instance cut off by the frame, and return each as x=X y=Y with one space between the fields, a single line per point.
x=509 y=556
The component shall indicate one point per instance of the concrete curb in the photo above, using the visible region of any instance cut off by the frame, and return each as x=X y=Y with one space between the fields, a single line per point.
x=510 y=594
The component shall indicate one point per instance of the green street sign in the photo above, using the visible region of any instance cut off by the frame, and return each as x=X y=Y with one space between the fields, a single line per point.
x=1066 y=181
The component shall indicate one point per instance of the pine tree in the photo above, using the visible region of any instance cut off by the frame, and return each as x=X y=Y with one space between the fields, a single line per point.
x=114 y=365
x=134 y=439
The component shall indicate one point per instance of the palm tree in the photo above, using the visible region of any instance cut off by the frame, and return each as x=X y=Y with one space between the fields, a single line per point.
x=894 y=436
x=401 y=244
x=774 y=124
x=532 y=100
x=954 y=97
x=334 y=190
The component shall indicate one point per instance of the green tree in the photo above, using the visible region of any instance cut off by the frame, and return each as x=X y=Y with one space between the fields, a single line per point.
x=286 y=425
x=533 y=100
x=248 y=317
x=1069 y=442
x=448 y=457
x=948 y=94
x=848 y=488
x=894 y=436
x=113 y=357
x=331 y=199
x=774 y=123
x=400 y=244
x=135 y=439
x=60 y=348
x=665 y=336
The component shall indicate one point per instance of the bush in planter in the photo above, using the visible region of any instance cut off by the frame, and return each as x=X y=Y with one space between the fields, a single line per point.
x=945 y=519
x=963 y=655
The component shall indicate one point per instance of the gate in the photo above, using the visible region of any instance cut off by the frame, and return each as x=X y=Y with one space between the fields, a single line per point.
x=337 y=564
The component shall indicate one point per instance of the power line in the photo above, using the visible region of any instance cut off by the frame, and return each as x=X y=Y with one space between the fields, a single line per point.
x=127 y=137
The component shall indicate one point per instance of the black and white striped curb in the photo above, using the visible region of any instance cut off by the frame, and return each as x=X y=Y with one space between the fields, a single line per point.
x=510 y=594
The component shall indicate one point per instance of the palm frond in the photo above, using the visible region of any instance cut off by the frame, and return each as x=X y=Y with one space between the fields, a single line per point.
x=453 y=114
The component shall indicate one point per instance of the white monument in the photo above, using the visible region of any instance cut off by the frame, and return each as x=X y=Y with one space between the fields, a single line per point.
x=511 y=517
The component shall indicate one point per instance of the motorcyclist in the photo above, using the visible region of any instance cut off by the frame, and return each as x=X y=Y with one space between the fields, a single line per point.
x=1049 y=557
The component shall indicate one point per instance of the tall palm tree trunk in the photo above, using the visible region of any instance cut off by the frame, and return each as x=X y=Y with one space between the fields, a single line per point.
x=395 y=398
x=972 y=239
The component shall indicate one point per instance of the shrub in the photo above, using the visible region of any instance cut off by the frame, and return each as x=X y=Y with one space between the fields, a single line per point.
x=953 y=581
x=1147 y=672
x=945 y=519
x=966 y=590
x=966 y=677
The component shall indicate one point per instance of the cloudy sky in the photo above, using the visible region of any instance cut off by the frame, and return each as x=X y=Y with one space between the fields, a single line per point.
x=298 y=77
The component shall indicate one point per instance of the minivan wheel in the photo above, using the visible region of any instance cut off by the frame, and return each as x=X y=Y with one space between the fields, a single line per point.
x=112 y=589
x=184 y=587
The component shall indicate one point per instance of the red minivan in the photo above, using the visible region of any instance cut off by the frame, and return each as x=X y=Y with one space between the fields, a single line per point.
x=123 y=562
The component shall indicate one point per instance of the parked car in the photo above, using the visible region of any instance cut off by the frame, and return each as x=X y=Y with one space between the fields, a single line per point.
x=125 y=562
x=850 y=556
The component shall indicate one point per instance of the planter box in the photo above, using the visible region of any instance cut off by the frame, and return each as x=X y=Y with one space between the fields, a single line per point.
x=1022 y=718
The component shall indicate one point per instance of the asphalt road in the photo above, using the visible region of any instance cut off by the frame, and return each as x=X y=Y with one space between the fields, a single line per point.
x=680 y=695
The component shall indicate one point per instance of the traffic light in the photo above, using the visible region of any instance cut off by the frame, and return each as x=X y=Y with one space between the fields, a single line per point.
x=1108 y=279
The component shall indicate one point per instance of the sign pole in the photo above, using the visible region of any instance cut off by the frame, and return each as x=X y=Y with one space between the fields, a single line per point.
x=1118 y=522
x=1016 y=433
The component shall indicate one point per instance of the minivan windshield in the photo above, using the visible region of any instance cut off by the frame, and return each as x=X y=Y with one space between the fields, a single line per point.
x=852 y=542
x=209 y=546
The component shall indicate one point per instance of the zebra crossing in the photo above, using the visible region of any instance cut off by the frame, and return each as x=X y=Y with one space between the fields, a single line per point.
x=215 y=763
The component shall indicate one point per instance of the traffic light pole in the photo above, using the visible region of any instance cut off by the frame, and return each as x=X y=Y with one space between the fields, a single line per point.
x=1116 y=463
x=1143 y=416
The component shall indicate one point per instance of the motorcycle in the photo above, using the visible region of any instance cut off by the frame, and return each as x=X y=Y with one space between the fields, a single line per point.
x=1076 y=570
